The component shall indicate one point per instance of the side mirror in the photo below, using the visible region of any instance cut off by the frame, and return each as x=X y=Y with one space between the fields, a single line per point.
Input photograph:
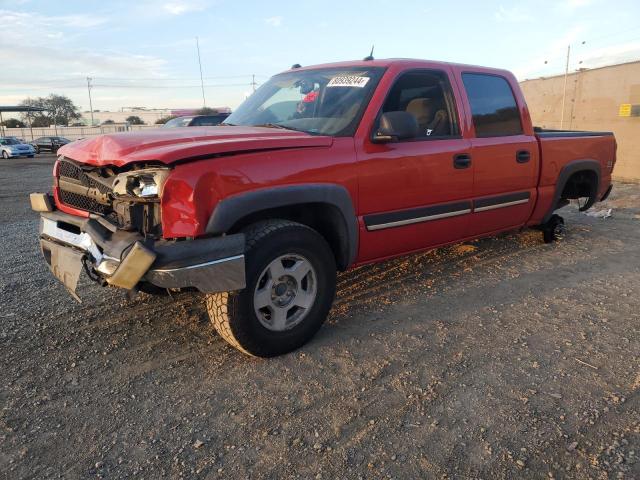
x=395 y=126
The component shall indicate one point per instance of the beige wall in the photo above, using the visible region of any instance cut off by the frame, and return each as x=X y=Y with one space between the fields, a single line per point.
x=148 y=116
x=592 y=102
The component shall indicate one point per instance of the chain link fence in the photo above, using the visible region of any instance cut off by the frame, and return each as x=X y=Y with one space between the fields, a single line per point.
x=72 y=133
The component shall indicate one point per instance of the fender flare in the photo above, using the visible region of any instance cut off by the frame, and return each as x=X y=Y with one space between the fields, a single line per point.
x=566 y=172
x=232 y=209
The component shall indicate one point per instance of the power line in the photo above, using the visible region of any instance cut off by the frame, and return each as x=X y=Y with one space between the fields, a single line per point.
x=204 y=102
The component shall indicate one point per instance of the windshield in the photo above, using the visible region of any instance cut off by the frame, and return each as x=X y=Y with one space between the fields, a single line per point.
x=178 y=122
x=322 y=101
x=9 y=141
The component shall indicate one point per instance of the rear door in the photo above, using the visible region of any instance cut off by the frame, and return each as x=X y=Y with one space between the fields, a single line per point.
x=416 y=193
x=505 y=156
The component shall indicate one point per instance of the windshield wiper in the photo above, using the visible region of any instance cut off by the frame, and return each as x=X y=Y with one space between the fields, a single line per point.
x=275 y=125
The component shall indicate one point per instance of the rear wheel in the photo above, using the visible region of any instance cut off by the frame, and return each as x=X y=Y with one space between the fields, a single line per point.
x=5 y=155
x=291 y=276
x=554 y=229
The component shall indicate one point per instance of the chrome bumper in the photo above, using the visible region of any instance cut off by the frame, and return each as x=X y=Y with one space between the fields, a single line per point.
x=124 y=259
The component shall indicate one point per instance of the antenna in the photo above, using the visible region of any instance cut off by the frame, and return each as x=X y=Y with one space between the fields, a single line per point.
x=370 y=56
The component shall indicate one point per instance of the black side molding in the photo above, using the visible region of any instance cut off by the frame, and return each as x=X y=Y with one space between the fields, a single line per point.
x=380 y=221
x=501 y=200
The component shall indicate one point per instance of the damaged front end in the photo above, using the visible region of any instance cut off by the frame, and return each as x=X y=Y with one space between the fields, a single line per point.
x=108 y=224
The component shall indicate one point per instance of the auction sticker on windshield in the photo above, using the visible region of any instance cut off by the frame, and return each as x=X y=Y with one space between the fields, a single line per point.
x=348 y=81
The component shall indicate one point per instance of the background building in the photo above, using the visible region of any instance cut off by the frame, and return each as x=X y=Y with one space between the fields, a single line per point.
x=606 y=98
x=147 y=115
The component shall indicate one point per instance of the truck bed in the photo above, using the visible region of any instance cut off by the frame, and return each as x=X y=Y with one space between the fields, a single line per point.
x=560 y=150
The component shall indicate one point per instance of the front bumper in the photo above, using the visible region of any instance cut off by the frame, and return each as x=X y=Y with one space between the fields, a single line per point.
x=21 y=153
x=125 y=259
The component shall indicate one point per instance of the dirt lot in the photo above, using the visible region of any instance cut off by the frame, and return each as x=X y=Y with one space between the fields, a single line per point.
x=501 y=358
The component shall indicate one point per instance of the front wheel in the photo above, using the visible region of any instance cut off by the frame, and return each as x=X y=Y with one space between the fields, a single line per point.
x=37 y=149
x=291 y=281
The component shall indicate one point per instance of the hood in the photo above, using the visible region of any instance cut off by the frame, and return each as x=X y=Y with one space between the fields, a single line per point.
x=169 y=145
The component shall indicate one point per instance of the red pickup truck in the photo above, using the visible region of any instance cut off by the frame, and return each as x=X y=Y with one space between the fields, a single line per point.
x=323 y=168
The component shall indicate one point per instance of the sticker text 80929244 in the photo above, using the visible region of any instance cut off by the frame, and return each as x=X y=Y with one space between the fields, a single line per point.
x=348 y=81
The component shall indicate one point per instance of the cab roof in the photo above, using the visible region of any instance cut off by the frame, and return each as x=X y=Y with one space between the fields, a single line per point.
x=400 y=62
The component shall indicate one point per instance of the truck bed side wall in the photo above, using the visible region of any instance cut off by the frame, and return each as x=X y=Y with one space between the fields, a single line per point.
x=556 y=153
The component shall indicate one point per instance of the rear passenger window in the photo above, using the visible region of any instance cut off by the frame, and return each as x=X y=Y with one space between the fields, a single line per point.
x=425 y=94
x=493 y=106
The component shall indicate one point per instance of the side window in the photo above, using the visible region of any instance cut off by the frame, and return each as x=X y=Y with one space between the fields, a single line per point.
x=427 y=95
x=207 y=121
x=493 y=106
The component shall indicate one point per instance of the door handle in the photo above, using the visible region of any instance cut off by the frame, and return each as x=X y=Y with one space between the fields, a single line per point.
x=523 y=156
x=461 y=160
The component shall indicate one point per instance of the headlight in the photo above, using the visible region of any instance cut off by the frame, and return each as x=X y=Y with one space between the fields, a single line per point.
x=145 y=183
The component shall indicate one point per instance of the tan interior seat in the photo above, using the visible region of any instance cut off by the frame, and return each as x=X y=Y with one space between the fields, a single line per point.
x=432 y=119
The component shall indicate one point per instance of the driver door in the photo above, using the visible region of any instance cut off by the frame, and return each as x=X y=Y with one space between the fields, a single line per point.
x=416 y=193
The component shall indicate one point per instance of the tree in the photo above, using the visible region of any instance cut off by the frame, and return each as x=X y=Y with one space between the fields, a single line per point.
x=207 y=111
x=59 y=110
x=41 y=121
x=135 y=120
x=30 y=117
x=13 y=123
x=163 y=120
x=108 y=122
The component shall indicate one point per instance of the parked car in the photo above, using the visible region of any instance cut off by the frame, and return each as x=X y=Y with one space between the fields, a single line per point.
x=49 y=144
x=323 y=168
x=196 y=121
x=11 y=147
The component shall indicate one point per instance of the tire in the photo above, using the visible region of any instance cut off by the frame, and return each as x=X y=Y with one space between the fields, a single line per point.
x=5 y=155
x=37 y=149
x=553 y=230
x=288 y=249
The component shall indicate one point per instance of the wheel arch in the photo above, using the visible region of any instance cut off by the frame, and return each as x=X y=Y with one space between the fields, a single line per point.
x=327 y=208
x=567 y=173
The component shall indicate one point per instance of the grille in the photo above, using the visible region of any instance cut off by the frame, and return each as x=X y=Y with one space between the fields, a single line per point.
x=70 y=170
x=81 y=202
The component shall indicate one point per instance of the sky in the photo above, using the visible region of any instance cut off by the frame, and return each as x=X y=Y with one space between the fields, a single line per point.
x=143 y=52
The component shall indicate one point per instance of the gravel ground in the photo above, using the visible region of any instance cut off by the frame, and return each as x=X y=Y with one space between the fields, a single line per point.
x=499 y=358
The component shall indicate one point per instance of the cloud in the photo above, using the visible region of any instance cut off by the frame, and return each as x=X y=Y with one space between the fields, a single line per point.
x=553 y=56
x=512 y=15
x=179 y=7
x=24 y=54
x=275 y=21
x=622 y=53
x=13 y=21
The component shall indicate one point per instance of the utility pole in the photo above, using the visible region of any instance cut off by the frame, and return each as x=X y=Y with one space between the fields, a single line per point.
x=564 y=90
x=90 y=104
x=253 y=82
x=204 y=102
